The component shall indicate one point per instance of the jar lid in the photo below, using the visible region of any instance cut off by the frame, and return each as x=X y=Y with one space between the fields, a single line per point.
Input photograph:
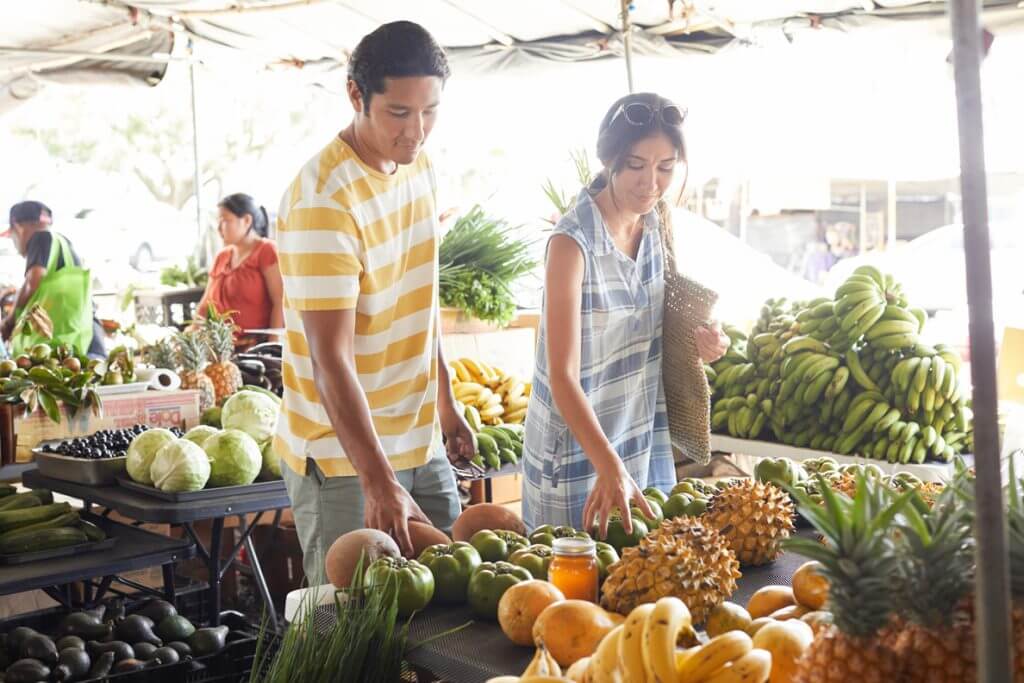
x=574 y=546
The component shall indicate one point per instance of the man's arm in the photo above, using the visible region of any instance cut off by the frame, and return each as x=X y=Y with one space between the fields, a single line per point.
x=459 y=440
x=33 y=276
x=387 y=505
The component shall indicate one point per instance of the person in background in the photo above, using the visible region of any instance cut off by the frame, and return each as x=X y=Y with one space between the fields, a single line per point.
x=597 y=432
x=55 y=280
x=245 y=279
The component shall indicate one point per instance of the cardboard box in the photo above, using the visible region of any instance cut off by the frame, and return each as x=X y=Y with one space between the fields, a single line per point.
x=153 y=408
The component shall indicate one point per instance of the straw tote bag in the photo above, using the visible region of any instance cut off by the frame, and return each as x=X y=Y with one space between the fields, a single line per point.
x=688 y=305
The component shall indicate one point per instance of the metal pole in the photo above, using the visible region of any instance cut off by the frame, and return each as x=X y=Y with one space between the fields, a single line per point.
x=627 y=41
x=992 y=592
x=196 y=173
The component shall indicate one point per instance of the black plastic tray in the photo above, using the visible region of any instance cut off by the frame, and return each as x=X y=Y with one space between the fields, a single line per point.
x=53 y=553
x=186 y=496
x=99 y=472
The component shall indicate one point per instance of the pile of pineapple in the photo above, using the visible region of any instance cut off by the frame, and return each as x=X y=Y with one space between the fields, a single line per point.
x=489 y=395
x=202 y=356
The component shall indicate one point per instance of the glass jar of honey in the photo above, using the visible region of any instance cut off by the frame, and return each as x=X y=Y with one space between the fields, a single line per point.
x=574 y=568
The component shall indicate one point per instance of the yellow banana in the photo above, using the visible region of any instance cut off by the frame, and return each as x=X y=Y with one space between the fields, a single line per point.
x=517 y=404
x=543 y=664
x=467 y=389
x=604 y=664
x=518 y=390
x=753 y=667
x=661 y=630
x=507 y=385
x=528 y=389
x=577 y=673
x=631 y=652
x=683 y=655
x=474 y=369
x=483 y=397
x=461 y=371
x=494 y=400
x=516 y=416
x=488 y=371
x=492 y=412
x=715 y=654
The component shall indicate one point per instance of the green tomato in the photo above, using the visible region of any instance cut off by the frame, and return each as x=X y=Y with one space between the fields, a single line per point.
x=684 y=487
x=40 y=353
x=775 y=470
x=606 y=557
x=655 y=493
x=489 y=582
x=413 y=582
x=495 y=546
x=697 y=507
x=546 y=534
x=535 y=559
x=452 y=566
x=617 y=536
x=677 y=505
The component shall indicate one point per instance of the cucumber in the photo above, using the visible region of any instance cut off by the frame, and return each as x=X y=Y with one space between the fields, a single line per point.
x=7 y=490
x=45 y=497
x=19 y=501
x=13 y=519
x=47 y=539
x=66 y=519
x=92 y=531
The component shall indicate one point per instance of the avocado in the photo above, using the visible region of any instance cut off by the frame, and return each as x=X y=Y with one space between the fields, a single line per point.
x=183 y=649
x=208 y=641
x=166 y=655
x=68 y=642
x=73 y=665
x=101 y=666
x=233 y=620
x=27 y=671
x=137 y=629
x=128 y=665
x=119 y=648
x=157 y=610
x=41 y=648
x=16 y=637
x=144 y=651
x=175 y=627
x=84 y=625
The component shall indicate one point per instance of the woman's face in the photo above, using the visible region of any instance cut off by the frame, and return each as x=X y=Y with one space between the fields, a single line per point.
x=646 y=174
x=232 y=228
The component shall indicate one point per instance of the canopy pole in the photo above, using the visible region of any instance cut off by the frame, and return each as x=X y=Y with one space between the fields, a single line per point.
x=196 y=172
x=627 y=41
x=992 y=591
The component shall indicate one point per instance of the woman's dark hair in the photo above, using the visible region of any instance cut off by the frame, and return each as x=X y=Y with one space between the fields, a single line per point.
x=242 y=205
x=617 y=135
x=396 y=50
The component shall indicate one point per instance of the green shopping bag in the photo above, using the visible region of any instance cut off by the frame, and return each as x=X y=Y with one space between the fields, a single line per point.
x=66 y=296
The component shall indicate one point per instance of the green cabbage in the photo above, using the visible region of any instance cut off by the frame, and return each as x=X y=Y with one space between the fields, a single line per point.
x=198 y=435
x=180 y=466
x=142 y=451
x=271 y=462
x=235 y=458
x=251 y=412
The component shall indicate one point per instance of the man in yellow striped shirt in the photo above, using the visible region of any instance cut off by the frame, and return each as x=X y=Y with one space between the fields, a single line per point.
x=367 y=395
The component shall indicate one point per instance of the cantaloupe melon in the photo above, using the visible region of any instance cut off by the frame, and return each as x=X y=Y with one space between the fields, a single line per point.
x=343 y=556
x=424 y=536
x=486 y=516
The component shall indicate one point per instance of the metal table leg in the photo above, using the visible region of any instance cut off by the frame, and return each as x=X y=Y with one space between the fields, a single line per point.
x=213 y=568
x=261 y=581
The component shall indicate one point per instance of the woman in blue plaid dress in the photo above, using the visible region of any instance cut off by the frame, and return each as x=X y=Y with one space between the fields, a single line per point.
x=597 y=431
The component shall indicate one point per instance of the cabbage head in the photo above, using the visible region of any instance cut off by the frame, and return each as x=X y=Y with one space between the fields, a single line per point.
x=142 y=451
x=235 y=458
x=180 y=466
x=271 y=462
x=198 y=435
x=251 y=412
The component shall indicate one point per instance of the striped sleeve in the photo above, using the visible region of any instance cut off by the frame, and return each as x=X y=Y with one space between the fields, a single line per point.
x=320 y=250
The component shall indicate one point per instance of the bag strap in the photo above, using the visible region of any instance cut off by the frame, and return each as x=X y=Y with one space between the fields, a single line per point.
x=667 y=243
x=58 y=248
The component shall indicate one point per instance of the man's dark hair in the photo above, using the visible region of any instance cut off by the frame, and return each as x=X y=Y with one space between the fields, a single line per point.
x=397 y=50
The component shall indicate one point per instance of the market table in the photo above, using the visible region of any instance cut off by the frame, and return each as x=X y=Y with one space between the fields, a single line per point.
x=144 y=508
x=481 y=651
x=134 y=549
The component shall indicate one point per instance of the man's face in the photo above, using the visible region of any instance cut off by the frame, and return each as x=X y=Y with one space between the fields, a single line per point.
x=18 y=237
x=399 y=119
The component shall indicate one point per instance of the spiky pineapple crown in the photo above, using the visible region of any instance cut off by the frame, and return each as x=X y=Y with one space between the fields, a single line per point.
x=191 y=351
x=858 y=557
x=936 y=558
x=162 y=354
x=219 y=333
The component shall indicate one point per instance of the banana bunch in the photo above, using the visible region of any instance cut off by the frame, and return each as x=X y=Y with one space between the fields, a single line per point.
x=490 y=396
x=771 y=312
x=817 y=319
x=743 y=417
x=643 y=650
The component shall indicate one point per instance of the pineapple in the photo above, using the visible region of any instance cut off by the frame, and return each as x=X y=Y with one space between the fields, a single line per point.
x=753 y=517
x=934 y=582
x=858 y=558
x=192 y=355
x=161 y=355
x=219 y=332
x=683 y=558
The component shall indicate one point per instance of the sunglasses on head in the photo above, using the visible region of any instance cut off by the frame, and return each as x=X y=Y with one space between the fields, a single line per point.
x=642 y=114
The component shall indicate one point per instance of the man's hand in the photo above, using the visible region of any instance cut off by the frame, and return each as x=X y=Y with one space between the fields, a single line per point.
x=458 y=437
x=7 y=327
x=389 y=507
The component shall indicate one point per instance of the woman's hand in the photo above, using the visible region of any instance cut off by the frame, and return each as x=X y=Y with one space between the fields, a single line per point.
x=712 y=343
x=613 y=489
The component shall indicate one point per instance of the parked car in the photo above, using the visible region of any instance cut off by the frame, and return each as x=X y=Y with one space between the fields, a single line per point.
x=142 y=237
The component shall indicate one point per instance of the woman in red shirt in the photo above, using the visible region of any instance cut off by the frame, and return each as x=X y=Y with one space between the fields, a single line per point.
x=245 y=277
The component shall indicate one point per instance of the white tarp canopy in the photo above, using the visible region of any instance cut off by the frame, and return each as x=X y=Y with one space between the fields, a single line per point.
x=53 y=40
